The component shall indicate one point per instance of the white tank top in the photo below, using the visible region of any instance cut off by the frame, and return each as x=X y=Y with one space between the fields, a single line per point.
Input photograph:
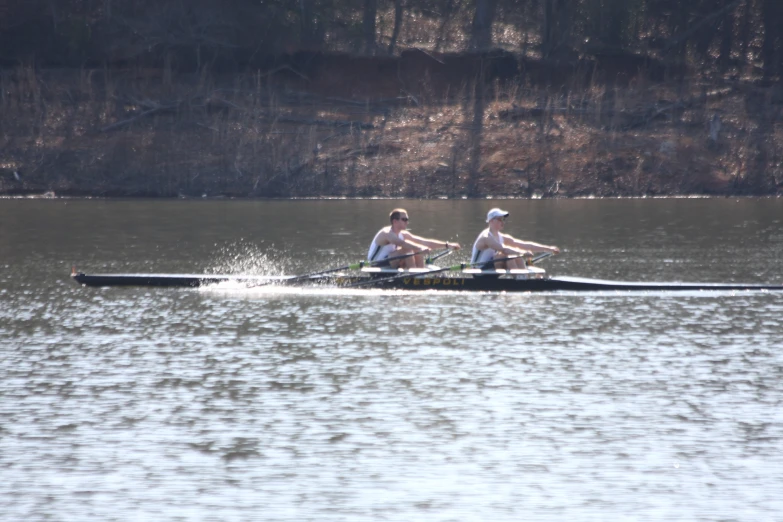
x=482 y=256
x=379 y=253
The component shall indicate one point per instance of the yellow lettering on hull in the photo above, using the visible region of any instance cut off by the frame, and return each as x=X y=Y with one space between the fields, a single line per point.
x=434 y=281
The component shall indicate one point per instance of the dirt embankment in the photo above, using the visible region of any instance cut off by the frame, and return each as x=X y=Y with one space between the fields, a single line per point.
x=417 y=125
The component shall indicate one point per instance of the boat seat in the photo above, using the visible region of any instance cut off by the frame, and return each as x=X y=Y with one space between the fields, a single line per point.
x=379 y=270
x=420 y=270
x=531 y=272
x=398 y=271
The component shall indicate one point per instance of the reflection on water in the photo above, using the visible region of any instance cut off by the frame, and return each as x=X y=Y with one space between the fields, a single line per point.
x=283 y=404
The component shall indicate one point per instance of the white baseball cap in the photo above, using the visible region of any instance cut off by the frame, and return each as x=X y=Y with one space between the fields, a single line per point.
x=496 y=213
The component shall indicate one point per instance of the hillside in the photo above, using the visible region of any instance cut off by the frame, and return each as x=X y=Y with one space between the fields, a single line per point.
x=413 y=126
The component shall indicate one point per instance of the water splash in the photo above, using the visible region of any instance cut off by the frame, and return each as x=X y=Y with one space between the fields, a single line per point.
x=245 y=258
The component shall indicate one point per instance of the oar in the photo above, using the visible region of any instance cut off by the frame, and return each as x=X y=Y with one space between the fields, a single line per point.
x=352 y=266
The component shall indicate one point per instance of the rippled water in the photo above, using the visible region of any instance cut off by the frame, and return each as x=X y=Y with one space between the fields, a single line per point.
x=264 y=404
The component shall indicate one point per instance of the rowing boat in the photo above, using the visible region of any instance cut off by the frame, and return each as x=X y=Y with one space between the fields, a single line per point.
x=532 y=279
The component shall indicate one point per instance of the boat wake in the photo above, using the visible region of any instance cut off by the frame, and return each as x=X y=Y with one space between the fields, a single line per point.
x=238 y=288
x=270 y=290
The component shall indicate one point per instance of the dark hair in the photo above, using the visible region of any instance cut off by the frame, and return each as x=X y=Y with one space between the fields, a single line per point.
x=396 y=213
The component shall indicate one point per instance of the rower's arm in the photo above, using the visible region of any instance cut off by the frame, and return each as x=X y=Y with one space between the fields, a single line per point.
x=434 y=243
x=410 y=241
x=531 y=246
x=489 y=242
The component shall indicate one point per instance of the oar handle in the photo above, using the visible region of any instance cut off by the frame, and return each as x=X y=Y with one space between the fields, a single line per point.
x=430 y=259
x=539 y=257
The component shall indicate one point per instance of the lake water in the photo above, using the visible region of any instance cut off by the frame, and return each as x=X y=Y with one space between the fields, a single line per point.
x=289 y=405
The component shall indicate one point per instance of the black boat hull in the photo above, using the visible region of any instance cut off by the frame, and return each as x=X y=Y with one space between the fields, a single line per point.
x=483 y=283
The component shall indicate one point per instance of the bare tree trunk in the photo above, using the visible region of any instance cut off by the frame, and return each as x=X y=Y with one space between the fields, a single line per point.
x=527 y=16
x=368 y=25
x=444 y=21
x=745 y=30
x=772 y=47
x=398 y=12
x=681 y=26
x=5 y=19
x=760 y=179
x=476 y=133
x=555 y=26
x=726 y=42
x=702 y=43
x=483 y=18
x=307 y=22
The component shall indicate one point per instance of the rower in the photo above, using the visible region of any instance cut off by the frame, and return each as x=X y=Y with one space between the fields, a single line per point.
x=395 y=240
x=493 y=244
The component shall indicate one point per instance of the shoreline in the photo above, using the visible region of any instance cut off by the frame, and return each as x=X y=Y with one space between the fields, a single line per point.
x=47 y=196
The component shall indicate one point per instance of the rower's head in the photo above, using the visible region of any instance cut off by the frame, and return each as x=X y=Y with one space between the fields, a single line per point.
x=496 y=218
x=399 y=218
